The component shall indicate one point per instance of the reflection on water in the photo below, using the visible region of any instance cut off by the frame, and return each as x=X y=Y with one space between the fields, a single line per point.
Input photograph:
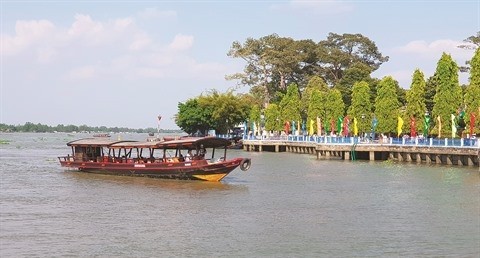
x=285 y=205
x=163 y=184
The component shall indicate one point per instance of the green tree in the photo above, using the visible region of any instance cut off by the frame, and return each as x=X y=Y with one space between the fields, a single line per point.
x=416 y=101
x=430 y=91
x=315 y=83
x=356 y=73
x=290 y=104
x=227 y=109
x=192 y=117
x=273 y=121
x=448 y=98
x=214 y=110
x=472 y=42
x=271 y=62
x=387 y=105
x=361 y=107
x=334 y=106
x=316 y=106
x=339 y=52
x=472 y=93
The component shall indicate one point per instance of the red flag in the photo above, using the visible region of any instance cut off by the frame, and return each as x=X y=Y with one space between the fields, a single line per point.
x=472 y=123
x=413 y=132
x=287 y=127
x=346 y=120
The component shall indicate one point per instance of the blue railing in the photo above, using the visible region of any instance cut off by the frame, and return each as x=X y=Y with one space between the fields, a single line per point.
x=437 y=142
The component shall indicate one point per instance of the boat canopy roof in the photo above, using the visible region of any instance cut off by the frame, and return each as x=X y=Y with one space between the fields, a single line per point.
x=135 y=144
x=94 y=142
x=184 y=143
x=194 y=142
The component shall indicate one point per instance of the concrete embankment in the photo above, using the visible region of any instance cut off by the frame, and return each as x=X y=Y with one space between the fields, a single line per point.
x=447 y=155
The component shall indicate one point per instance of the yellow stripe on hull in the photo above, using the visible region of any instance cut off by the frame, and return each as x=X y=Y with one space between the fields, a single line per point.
x=214 y=177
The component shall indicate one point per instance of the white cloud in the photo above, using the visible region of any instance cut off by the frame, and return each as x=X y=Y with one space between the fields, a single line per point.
x=181 y=42
x=434 y=49
x=141 y=41
x=26 y=34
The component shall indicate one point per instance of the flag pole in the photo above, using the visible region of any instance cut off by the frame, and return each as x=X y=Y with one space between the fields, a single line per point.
x=158 y=125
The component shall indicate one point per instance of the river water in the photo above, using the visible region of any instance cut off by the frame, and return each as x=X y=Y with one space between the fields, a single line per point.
x=286 y=205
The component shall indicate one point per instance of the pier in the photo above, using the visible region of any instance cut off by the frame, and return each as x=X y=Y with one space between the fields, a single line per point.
x=460 y=152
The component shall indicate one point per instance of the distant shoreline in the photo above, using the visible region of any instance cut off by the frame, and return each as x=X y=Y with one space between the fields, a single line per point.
x=29 y=127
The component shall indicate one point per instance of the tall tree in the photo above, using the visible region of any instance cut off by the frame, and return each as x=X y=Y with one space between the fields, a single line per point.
x=290 y=104
x=272 y=61
x=361 y=107
x=430 y=91
x=472 y=42
x=356 y=73
x=387 y=105
x=334 y=106
x=339 y=52
x=448 y=98
x=416 y=100
x=316 y=105
x=273 y=121
x=315 y=83
x=472 y=93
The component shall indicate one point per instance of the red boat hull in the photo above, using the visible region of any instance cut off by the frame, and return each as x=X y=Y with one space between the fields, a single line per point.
x=190 y=170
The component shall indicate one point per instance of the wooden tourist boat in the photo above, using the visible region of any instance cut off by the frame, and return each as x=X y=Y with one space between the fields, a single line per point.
x=173 y=159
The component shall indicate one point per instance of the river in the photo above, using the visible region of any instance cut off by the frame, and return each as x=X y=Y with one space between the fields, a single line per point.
x=286 y=205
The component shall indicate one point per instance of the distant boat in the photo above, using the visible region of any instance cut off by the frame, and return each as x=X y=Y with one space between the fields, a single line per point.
x=159 y=159
x=101 y=135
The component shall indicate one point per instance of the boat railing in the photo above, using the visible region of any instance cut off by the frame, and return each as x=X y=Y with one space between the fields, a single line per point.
x=111 y=159
x=327 y=139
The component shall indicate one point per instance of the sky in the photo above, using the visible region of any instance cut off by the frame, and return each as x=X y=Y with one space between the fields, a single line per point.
x=123 y=63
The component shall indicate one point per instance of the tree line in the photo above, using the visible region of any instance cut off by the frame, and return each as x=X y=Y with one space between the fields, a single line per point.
x=300 y=80
x=42 y=128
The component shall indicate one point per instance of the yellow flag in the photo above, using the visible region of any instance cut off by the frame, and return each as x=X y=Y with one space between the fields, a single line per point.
x=439 y=126
x=454 y=126
x=311 y=127
x=319 y=126
x=399 y=126
x=355 y=127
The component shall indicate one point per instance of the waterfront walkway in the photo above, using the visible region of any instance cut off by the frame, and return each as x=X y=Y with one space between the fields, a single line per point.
x=448 y=151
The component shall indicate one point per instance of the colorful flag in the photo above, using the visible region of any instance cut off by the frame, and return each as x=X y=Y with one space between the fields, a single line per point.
x=454 y=126
x=426 y=125
x=346 y=122
x=287 y=127
x=355 y=127
x=294 y=128
x=399 y=126
x=413 y=132
x=439 y=119
x=339 y=125
x=472 y=123
x=319 y=126
x=311 y=127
